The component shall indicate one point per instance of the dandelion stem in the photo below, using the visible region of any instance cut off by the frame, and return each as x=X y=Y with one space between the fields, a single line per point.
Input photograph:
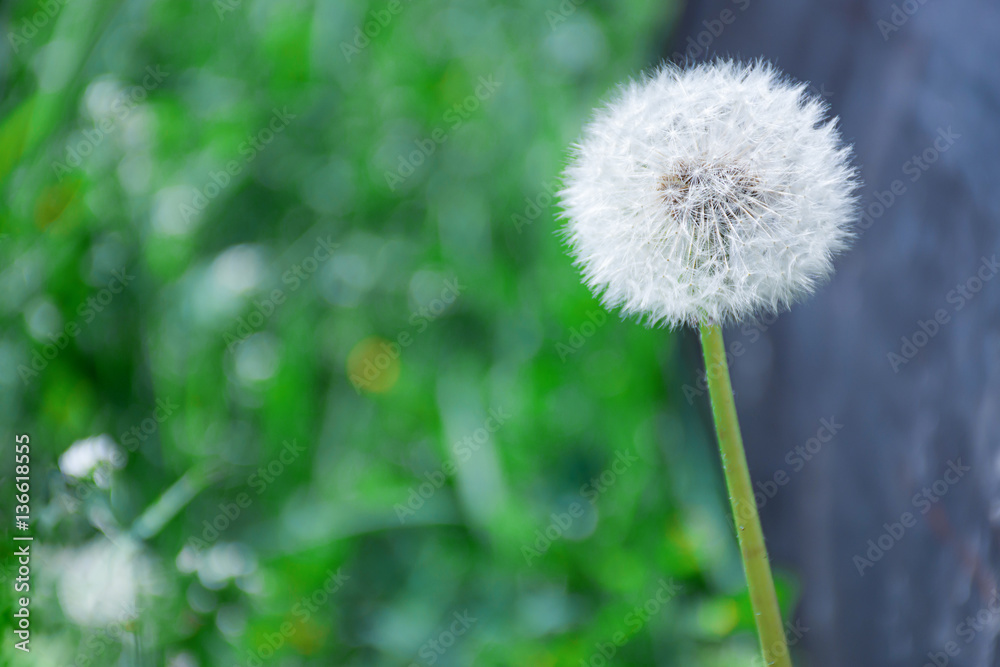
x=745 y=517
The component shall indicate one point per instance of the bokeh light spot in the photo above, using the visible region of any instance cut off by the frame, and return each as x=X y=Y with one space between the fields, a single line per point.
x=373 y=365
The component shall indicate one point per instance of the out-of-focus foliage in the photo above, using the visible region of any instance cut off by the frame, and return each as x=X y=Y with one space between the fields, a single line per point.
x=308 y=376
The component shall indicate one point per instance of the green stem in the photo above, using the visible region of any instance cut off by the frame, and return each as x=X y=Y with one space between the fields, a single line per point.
x=745 y=517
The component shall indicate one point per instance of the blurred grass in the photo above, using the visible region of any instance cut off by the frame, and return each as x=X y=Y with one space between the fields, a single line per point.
x=190 y=185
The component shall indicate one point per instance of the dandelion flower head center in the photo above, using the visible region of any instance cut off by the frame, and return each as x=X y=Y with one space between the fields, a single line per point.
x=720 y=195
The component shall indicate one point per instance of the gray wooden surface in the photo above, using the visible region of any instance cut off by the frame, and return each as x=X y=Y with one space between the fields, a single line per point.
x=901 y=423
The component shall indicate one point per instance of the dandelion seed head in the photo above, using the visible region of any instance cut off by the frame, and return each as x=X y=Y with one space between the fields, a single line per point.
x=714 y=193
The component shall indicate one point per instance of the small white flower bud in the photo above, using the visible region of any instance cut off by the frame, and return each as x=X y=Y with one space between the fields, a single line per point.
x=708 y=194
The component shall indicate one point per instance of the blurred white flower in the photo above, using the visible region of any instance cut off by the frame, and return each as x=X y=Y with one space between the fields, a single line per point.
x=98 y=453
x=708 y=194
x=239 y=268
x=101 y=583
x=218 y=564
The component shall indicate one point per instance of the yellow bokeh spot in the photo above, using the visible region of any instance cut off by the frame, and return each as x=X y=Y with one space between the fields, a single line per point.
x=308 y=637
x=373 y=365
x=54 y=201
x=718 y=617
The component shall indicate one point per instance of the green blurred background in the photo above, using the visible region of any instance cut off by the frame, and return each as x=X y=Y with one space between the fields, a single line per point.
x=308 y=376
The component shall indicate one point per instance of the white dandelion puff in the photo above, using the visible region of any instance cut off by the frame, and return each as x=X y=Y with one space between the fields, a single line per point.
x=708 y=195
